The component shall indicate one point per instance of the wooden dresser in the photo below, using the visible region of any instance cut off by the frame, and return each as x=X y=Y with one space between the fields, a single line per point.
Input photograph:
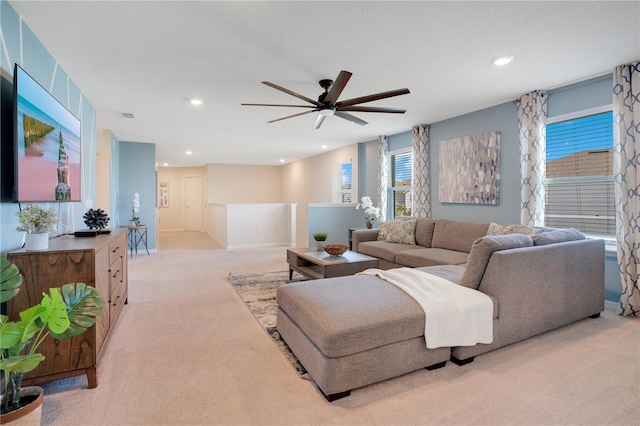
x=100 y=262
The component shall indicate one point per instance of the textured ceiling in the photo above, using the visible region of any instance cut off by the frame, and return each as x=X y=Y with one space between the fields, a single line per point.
x=149 y=57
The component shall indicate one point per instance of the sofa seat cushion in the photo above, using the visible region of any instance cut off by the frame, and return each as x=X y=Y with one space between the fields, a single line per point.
x=351 y=314
x=383 y=249
x=454 y=273
x=458 y=236
x=430 y=256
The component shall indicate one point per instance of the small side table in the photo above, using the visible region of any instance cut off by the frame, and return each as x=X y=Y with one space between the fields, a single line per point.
x=137 y=235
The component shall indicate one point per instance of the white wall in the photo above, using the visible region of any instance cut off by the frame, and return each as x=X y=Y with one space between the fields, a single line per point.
x=172 y=218
x=301 y=183
x=310 y=181
x=253 y=225
x=229 y=184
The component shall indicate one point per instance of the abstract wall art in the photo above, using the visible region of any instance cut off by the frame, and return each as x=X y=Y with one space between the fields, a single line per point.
x=470 y=169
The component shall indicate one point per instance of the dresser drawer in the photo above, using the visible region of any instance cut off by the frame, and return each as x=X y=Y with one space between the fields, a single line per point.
x=117 y=250
x=118 y=292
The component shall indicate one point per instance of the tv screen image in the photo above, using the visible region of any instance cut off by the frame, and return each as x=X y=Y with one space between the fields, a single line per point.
x=47 y=145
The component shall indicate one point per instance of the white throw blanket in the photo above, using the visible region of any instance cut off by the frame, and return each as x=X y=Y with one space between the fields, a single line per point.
x=455 y=315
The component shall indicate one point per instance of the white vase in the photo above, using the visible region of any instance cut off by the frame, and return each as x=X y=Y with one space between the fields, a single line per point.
x=320 y=245
x=37 y=241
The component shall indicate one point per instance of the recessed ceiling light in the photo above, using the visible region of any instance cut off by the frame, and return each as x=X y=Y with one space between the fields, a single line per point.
x=195 y=102
x=324 y=146
x=188 y=152
x=165 y=164
x=501 y=60
x=282 y=160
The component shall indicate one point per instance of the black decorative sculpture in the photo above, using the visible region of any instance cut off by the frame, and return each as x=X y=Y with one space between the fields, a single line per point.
x=96 y=219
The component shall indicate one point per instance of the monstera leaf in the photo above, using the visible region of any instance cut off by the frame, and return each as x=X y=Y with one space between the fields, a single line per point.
x=84 y=304
x=10 y=280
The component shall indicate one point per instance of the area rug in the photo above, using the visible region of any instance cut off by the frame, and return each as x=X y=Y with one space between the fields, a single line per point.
x=258 y=292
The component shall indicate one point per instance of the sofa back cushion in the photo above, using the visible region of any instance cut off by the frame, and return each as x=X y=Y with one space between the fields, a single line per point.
x=424 y=232
x=458 y=236
x=481 y=252
x=557 y=236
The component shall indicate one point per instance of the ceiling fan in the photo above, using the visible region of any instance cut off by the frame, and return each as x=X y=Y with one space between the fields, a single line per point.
x=327 y=103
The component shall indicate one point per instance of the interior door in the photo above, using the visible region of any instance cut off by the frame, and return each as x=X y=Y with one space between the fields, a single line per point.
x=193 y=203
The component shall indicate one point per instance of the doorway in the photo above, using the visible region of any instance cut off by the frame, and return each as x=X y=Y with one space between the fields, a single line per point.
x=193 y=203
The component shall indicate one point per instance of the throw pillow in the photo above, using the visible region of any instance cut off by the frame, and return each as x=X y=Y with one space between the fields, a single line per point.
x=403 y=232
x=481 y=252
x=495 y=229
x=557 y=236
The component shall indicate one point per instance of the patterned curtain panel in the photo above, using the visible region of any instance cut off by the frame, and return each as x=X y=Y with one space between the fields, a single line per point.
x=383 y=176
x=421 y=174
x=532 y=121
x=626 y=142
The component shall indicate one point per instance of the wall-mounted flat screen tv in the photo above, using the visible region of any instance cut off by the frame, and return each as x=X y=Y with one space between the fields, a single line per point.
x=47 y=145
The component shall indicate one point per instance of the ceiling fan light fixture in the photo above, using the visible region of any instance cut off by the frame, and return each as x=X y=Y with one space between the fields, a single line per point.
x=326 y=111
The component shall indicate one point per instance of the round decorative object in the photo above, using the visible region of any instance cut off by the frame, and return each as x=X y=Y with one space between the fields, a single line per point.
x=96 y=219
x=336 y=249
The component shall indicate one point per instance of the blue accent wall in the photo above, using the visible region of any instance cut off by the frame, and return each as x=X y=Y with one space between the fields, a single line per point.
x=334 y=219
x=580 y=96
x=504 y=119
x=138 y=174
x=20 y=45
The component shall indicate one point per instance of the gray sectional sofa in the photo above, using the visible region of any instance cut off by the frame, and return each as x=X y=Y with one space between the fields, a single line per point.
x=353 y=331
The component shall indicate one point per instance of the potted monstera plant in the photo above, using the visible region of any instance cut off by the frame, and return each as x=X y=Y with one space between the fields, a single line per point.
x=64 y=312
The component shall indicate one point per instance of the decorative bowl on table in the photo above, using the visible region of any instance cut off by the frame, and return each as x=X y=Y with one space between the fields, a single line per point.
x=336 y=249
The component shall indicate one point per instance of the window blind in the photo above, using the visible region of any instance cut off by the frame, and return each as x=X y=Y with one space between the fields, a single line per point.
x=401 y=183
x=579 y=176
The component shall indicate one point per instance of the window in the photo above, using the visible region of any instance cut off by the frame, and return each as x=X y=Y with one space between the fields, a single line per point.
x=342 y=183
x=579 y=177
x=401 y=188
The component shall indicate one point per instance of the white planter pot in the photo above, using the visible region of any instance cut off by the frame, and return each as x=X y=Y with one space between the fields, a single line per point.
x=37 y=242
x=30 y=414
x=320 y=245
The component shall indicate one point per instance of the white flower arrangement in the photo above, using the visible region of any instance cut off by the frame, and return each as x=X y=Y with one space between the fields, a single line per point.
x=371 y=212
x=36 y=220
x=136 y=208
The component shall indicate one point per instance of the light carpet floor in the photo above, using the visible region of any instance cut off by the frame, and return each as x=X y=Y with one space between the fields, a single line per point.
x=258 y=292
x=187 y=351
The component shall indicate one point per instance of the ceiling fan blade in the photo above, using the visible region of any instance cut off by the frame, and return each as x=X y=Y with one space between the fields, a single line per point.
x=372 y=109
x=281 y=105
x=292 y=93
x=371 y=98
x=351 y=118
x=319 y=121
x=337 y=87
x=291 y=116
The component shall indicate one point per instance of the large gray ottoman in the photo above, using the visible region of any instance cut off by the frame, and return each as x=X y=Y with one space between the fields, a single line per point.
x=353 y=331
